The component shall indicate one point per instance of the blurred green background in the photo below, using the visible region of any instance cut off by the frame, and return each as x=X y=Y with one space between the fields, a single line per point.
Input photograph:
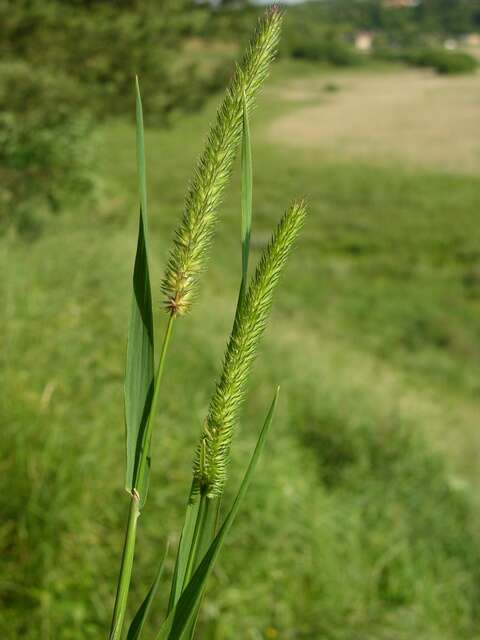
x=363 y=518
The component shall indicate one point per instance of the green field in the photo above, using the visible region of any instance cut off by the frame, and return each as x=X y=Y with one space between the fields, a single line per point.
x=363 y=519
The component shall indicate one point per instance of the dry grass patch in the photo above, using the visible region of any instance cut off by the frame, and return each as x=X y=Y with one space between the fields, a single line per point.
x=414 y=117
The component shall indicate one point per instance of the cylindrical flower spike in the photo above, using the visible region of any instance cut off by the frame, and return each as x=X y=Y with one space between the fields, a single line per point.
x=212 y=454
x=194 y=234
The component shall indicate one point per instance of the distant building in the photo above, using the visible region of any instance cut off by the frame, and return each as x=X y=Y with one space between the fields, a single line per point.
x=363 y=41
x=398 y=4
x=450 y=44
x=471 y=40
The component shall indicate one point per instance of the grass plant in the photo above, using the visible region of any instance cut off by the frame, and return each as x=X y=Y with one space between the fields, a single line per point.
x=200 y=542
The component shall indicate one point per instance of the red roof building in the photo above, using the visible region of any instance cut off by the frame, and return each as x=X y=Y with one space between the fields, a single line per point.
x=397 y=4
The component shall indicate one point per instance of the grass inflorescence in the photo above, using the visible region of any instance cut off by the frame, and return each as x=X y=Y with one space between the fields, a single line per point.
x=194 y=234
x=201 y=540
x=213 y=451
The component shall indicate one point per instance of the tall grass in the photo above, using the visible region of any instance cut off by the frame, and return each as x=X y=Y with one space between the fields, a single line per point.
x=201 y=538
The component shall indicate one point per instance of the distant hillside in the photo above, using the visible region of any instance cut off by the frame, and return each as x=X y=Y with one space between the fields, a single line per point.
x=432 y=16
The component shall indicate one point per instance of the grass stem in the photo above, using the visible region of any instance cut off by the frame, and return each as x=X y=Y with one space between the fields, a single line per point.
x=197 y=534
x=144 y=457
x=137 y=502
x=125 y=569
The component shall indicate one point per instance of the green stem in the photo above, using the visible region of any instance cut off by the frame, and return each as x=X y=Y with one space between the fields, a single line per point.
x=136 y=502
x=125 y=570
x=142 y=467
x=197 y=534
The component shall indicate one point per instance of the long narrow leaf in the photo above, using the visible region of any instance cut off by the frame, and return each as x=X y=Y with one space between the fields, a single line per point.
x=208 y=532
x=184 y=547
x=205 y=537
x=208 y=526
x=139 y=373
x=141 y=616
x=182 y=615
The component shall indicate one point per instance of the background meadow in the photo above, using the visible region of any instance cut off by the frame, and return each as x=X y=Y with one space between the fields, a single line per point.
x=363 y=517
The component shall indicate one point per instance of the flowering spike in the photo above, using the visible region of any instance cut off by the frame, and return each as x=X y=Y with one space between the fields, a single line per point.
x=194 y=234
x=212 y=454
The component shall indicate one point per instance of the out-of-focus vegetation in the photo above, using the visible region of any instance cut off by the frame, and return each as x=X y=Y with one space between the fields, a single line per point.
x=324 y=46
x=325 y=31
x=102 y=45
x=75 y=61
x=437 y=17
x=43 y=148
x=67 y=63
x=402 y=24
x=445 y=62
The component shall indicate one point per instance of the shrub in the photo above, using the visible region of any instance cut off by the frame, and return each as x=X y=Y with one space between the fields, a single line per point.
x=331 y=50
x=42 y=152
x=65 y=63
x=443 y=61
x=102 y=46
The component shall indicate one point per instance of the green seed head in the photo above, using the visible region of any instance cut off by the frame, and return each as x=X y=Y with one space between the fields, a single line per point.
x=213 y=452
x=194 y=234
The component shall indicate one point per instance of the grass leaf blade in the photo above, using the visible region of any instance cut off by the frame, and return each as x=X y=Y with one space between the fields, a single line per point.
x=183 y=614
x=139 y=373
x=184 y=549
x=138 y=621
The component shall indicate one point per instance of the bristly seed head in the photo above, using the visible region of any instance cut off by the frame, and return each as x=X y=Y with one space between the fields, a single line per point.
x=211 y=460
x=274 y=8
x=194 y=234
